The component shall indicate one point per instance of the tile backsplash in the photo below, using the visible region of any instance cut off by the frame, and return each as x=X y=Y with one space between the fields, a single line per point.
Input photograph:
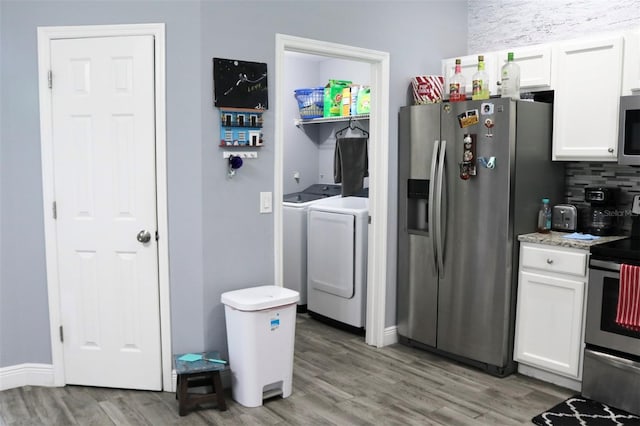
x=580 y=175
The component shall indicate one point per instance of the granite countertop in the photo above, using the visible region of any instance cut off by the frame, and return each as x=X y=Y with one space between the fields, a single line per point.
x=555 y=238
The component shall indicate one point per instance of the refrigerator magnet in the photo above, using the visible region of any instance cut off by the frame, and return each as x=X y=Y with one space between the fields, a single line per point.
x=468 y=118
x=486 y=108
x=487 y=162
x=488 y=123
x=468 y=165
x=467 y=169
x=464 y=171
x=469 y=147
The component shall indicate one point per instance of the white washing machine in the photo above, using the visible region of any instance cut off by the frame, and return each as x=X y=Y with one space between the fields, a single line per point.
x=294 y=236
x=337 y=231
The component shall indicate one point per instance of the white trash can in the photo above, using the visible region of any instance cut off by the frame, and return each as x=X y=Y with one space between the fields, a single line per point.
x=261 y=326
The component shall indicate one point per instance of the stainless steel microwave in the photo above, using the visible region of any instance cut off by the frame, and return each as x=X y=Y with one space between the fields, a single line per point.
x=629 y=131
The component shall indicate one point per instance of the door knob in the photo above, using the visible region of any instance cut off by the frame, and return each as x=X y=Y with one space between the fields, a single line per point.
x=144 y=236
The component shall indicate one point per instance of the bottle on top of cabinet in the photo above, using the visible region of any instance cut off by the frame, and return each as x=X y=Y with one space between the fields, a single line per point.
x=480 y=82
x=457 y=84
x=544 y=217
x=510 y=79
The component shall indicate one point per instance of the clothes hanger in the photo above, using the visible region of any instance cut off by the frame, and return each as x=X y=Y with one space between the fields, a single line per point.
x=352 y=126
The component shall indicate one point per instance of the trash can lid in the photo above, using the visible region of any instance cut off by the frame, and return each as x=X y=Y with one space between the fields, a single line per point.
x=258 y=298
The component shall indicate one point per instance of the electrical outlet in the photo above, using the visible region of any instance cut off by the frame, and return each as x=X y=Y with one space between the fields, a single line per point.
x=265 y=202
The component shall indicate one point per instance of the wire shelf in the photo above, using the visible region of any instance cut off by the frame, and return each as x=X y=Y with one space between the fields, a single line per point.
x=300 y=122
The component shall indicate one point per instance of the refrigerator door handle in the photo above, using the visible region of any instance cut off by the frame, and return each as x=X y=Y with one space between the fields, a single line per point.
x=432 y=209
x=440 y=214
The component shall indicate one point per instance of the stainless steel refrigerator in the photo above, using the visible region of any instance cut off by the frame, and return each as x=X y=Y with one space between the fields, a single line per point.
x=471 y=176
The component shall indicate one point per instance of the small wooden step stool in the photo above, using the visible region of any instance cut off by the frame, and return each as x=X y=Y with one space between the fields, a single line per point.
x=198 y=373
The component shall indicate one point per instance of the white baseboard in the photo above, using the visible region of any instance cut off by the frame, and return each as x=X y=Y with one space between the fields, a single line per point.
x=549 y=377
x=390 y=336
x=19 y=375
x=16 y=376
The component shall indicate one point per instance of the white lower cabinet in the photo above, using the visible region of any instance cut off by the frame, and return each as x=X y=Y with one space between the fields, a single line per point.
x=549 y=332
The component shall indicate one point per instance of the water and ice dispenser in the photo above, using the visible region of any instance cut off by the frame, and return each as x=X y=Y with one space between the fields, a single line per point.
x=417 y=204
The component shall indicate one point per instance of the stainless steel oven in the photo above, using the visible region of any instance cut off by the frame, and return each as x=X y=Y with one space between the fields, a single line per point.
x=602 y=302
x=611 y=367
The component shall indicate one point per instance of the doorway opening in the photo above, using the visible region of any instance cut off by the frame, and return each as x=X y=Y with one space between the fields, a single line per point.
x=378 y=167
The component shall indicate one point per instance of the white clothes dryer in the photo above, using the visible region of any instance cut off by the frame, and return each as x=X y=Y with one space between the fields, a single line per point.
x=337 y=237
x=294 y=236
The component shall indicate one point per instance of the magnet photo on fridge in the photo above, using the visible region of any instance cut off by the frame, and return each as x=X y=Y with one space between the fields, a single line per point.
x=239 y=84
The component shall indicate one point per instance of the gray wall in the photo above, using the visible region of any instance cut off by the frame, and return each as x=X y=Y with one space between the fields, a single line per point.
x=217 y=239
x=501 y=24
x=24 y=325
x=300 y=152
x=240 y=254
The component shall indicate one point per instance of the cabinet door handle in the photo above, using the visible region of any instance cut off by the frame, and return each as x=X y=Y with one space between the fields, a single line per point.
x=550 y=261
x=610 y=150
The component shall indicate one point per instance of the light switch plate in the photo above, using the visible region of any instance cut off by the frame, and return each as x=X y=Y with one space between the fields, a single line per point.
x=635 y=207
x=265 y=202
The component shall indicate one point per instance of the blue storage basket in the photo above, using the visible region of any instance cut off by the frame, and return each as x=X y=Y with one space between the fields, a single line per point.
x=310 y=102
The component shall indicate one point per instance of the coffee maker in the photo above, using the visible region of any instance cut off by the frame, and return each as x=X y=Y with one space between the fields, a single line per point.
x=601 y=215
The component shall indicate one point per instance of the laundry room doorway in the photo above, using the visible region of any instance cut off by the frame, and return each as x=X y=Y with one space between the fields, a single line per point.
x=378 y=70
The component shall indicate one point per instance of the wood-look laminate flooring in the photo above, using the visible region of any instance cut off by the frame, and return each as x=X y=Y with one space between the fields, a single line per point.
x=337 y=380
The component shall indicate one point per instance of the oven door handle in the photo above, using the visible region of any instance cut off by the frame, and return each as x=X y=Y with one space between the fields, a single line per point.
x=603 y=264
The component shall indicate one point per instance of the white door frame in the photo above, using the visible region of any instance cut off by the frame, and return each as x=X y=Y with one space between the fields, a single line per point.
x=378 y=167
x=45 y=35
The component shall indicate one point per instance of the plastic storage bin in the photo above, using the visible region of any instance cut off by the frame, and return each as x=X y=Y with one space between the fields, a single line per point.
x=310 y=102
x=261 y=325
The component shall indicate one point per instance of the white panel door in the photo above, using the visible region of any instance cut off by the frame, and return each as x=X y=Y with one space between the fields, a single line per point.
x=104 y=161
x=330 y=253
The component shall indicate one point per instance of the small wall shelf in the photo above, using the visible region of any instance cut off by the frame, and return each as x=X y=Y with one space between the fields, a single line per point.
x=241 y=127
x=300 y=122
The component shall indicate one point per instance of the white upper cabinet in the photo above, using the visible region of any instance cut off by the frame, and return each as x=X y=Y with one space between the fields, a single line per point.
x=588 y=77
x=534 y=62
x=588 y=84
x=469 y=66
x=535 y=66
x=631 y=70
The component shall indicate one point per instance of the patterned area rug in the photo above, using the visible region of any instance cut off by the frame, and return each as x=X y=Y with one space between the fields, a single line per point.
x=579 y=411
